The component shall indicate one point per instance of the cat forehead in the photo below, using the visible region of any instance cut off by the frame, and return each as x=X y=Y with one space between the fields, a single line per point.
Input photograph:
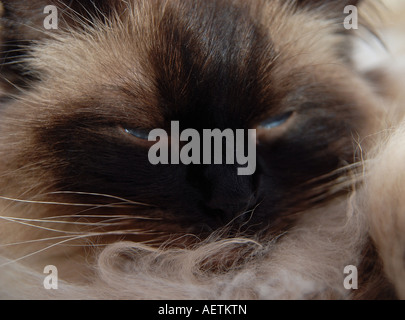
x=191 y=56
x=205 y=59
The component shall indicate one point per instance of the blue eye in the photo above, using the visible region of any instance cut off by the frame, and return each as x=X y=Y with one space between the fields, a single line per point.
x=276 y=121
x=138 y=133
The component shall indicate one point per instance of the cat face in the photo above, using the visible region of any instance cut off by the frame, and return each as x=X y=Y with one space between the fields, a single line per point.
x=76 y=135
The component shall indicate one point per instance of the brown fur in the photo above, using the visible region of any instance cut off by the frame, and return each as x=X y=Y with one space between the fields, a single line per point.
x=65 y=157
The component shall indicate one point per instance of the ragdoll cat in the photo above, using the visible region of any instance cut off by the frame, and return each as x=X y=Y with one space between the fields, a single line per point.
x=79 y=102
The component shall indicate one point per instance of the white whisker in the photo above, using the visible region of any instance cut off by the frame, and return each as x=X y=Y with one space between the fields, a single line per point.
x=73 y=238
x=65 y=203
x=102 y=195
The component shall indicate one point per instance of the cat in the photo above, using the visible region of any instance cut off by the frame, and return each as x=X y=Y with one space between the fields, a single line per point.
x=80 y=193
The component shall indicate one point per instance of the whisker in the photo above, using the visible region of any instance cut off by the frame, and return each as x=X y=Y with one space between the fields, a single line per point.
x=69 y=236
x=19 y=61
x=103 y=195
x=66 y=203
x=38 y=227
x=33 y=241
x=104 y=216
x=105 y=223
x=337 y=172
x=328 y=190
x=251 y=211
x=13 y=85
x=73 y=238
x=39 y=251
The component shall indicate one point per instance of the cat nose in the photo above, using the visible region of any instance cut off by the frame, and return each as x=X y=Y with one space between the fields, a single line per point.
x=230 y=195
x=227 y=211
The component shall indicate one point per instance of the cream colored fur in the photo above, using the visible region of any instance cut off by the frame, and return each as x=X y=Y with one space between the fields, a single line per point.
x=306 y=263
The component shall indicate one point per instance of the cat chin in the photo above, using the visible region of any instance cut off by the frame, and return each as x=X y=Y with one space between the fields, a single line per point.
x=365 y=230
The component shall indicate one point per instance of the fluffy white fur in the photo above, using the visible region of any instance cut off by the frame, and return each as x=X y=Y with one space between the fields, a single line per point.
x=306 y=263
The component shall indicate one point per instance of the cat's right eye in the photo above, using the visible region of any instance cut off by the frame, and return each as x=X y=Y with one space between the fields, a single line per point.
x=276 y=121
x=274 y=127
x=138 y=133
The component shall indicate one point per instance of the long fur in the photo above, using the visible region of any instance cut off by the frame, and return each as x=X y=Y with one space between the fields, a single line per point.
x=305 y=263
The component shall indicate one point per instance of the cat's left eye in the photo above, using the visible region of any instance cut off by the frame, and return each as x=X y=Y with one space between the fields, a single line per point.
x=275 y=127
x=138 y=133
x=276 y=121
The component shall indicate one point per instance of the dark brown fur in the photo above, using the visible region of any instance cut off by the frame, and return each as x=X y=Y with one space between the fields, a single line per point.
x=208 y=64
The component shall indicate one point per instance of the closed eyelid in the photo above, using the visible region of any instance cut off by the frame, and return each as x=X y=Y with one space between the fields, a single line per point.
x=138 y=133
x=276 y=121
x=275 y=127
